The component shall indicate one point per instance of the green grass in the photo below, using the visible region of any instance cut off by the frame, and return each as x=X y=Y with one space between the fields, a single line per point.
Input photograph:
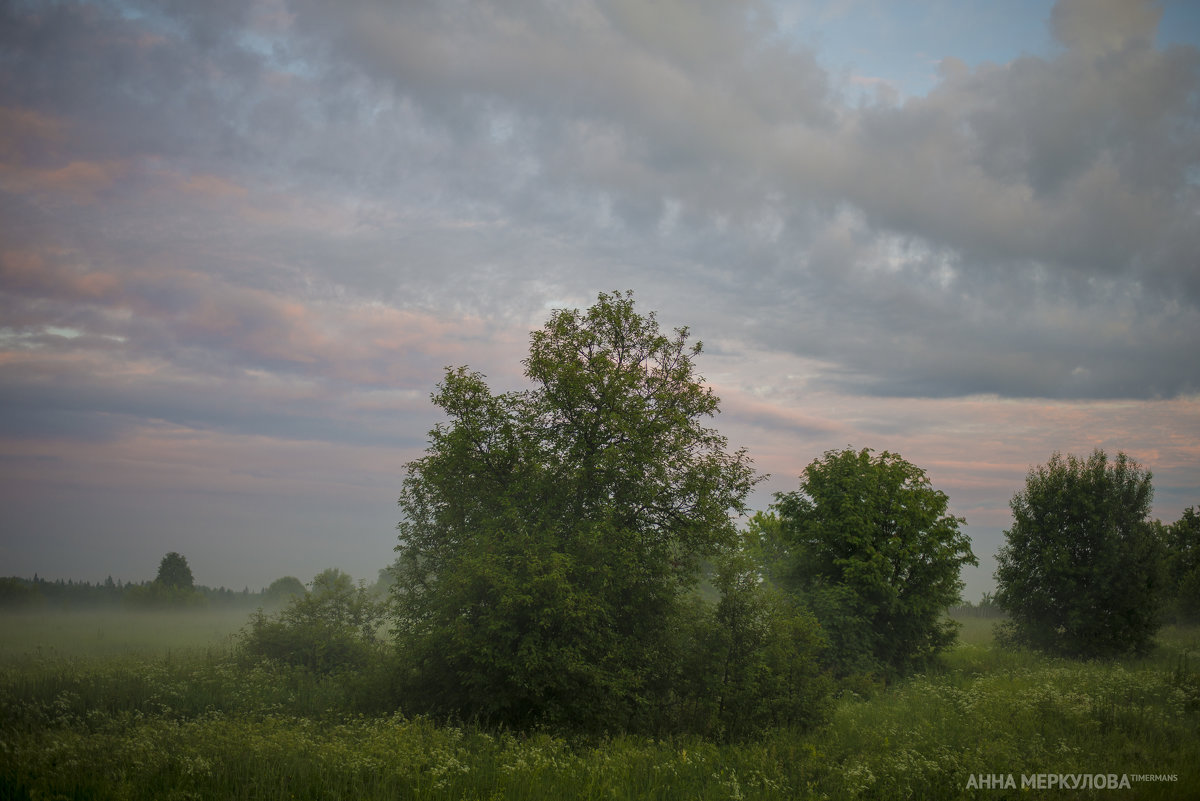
x=976 y=630
x=183 y=718
x=114 y=632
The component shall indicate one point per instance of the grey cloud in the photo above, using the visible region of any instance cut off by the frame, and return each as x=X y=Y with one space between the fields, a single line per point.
x=482 y=158
x=1104 y=25
x=1072 y=163
x=48 y=403
x=1076 y=166
x=127 y=88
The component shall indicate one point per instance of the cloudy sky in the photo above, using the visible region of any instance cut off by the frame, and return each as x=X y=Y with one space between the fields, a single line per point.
x=240 y=241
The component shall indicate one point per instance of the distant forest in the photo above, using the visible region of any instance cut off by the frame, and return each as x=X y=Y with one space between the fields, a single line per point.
x=38 y=592
x=172 y=587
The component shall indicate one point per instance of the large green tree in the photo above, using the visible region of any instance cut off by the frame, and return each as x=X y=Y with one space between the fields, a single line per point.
x=549 y=534
x=1081 y=572
x=872 y=550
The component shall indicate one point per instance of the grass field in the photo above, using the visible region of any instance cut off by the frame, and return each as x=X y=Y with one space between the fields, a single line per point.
x=113 y=632
x=159 y=707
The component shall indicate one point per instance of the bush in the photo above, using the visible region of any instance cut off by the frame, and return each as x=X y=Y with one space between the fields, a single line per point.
x=754 y=661
x=333 y=627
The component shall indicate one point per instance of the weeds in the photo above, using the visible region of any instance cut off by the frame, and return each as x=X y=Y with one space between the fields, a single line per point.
x=200 y=723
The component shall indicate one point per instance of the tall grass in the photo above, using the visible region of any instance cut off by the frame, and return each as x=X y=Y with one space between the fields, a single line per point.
x=199 y=723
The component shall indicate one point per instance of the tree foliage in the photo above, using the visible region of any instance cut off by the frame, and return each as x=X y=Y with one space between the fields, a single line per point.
x=1183 y=565
x=174 y=573
x=549 y=533
x=334 y=626
x=872 y=550
x=172 y=587
x=1081 y=570
x=283 y=590
x=752 y=660
x=765 y=542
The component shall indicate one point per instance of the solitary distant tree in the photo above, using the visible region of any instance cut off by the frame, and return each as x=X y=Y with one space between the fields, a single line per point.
x=283 y=590
x=174 y=573
x=1082 y=571
x=173 y=587
x=871 y=549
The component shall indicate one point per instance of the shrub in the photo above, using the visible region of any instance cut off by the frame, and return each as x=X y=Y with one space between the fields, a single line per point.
x=754 y=662
x=335 y=626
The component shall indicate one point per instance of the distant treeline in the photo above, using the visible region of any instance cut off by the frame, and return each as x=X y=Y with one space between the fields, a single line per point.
x=173 y=587
x=18 y=593
x=985 y=608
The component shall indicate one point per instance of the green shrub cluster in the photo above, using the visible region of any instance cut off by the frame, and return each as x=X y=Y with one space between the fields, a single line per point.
x=752 y=661
x=332 y=627
x=552 y=540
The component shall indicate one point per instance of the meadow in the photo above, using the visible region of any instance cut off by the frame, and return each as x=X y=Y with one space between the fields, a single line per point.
x=161 y=706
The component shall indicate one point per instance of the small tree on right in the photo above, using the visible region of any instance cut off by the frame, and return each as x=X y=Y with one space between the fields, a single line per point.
x=1183 y=565
x=1082 y=571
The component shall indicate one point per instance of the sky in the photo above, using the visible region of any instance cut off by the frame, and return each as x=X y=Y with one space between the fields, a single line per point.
x=241 y=240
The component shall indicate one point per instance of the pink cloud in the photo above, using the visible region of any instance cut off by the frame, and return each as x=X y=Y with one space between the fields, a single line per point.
x=25 y=133
x=211 y=186
x=50 y=273
x=78 y=182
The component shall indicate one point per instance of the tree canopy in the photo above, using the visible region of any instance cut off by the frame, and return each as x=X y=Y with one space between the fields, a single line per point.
x=871 y=548
x=1183 y=565
x=174 y=573
x=1081 y=572
x=548 y=533
x=282 y=590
